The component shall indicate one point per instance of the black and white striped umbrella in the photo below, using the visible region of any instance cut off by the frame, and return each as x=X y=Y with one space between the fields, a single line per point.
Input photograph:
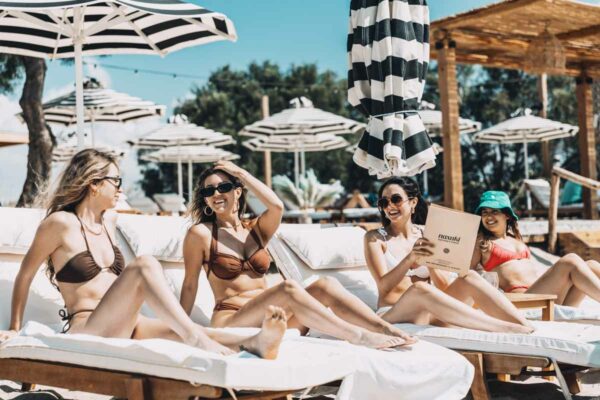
x=73 y=28
x=388 y=50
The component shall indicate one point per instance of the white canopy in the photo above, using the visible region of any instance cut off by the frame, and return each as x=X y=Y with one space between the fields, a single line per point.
x=525 y=129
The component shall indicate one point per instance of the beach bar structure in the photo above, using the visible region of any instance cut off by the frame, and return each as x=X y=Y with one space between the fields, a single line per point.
x=499 y=36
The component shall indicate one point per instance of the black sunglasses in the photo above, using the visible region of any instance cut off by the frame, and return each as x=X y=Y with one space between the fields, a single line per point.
x=116 y=181
x=396 y=199
x=223 y=187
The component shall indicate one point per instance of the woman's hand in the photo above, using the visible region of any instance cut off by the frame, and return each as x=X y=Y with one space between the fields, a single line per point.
x=5 y=335
x=230 y=168
x=422 y=248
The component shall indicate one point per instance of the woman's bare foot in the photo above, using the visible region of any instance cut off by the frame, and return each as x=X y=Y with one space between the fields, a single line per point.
x=266 y=343
x=391 y=330
x=516 y=328
x=202 y=341
x=378 y=340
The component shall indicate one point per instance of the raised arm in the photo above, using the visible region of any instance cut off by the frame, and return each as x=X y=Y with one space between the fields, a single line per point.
x=194 y=255
x=47 y=239
x=268 y=221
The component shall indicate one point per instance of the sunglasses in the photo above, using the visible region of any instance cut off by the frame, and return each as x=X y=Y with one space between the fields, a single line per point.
x=223 y=187
x=395 y=199
x=116 y=181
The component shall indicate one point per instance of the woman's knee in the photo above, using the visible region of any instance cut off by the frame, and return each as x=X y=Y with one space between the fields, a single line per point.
x=144 y=263
x=325 y=285
x=421 y=288
x=570 y=261
x=290 y=287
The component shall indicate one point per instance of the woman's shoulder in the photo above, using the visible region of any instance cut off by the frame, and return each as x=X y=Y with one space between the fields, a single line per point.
x=59 y=219
x=200 y=231
x=377 y=234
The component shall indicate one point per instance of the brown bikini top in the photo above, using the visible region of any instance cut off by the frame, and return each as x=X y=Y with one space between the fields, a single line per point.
x=228 y=267
x=82 y=267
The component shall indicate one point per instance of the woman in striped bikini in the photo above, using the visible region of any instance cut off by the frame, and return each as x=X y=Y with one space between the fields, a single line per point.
x=503 y=251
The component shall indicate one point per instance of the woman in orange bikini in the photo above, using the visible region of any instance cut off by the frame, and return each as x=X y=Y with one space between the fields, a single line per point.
x=233 y=254
x=103 y=296
x=503 y=251
x=394 y=253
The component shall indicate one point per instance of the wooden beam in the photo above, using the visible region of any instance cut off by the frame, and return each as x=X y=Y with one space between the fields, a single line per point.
x=587 y=142
x=580 y=33
x=453 y=178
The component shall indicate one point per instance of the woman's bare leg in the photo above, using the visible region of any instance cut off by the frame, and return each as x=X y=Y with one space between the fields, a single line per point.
x=489 y=299
x=575 y=296
x=422 y=301
x=570 y=271
x=330 y=292
x=307 y=310
x=142 y=280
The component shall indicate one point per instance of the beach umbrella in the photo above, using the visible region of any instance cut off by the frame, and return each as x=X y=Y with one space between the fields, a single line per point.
x=523 y=130
x=63 y=152
x=100 y=105
x=432 y=119
x=179 y=132
x=388 y=51
x=298 y=145
x=72 y=29
x=13 y=138
x=191 y=155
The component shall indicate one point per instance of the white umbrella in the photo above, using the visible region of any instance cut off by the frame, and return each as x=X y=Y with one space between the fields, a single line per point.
x=177 y=133
x=297 y=145
x=71 y=29
x=63 y=152
x=191 y=155
x=100 y=105
x=525 y=129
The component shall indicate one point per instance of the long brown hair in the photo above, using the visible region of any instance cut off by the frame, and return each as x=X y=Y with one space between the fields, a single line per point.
x=197 y=209
x=86 y=167
x=512 y=229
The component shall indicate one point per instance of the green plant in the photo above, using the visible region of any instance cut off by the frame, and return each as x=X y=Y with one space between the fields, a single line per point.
x=310 y=193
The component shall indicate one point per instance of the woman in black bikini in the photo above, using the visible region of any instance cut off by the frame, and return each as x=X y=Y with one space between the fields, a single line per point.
x=233 y=253
x=102 y=296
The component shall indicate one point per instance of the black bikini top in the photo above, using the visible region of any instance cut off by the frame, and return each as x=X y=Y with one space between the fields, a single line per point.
x=82 y=267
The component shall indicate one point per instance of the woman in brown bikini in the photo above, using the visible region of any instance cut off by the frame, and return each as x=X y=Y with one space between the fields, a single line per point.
x=103 y=296
x=233 y=253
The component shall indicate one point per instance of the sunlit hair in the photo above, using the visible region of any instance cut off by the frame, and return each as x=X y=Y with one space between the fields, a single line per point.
x=411 y=187
x=197 y=209
x=512 y=229
x=86 y=167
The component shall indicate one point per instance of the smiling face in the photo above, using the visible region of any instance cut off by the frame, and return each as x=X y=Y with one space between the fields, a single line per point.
x=222 y=203
x=399 y=207
x=494 y=220
x=107 y=191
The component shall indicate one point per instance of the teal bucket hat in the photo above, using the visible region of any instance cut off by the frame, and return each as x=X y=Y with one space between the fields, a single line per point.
x=497 y=200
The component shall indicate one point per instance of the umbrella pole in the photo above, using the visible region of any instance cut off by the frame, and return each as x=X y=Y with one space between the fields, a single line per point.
x=179 y=173
x=296 y=180
x=302 y=163
x=92 y=129
x=425 y=184
x=526 y=156
x=78 y=45
x=190 y=181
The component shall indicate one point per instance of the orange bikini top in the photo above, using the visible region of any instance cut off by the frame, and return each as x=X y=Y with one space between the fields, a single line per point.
x=228 y=267
x=499 y=255
x=82 y=267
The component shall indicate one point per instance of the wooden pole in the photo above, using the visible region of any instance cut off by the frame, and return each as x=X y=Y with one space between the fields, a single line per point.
x=553 y=213
x=587 y=142
x=268 y=171
x=542 y=85
x=453 y=177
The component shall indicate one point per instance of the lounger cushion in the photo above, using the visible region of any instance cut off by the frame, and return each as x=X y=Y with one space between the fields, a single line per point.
x=566 y=342
x=18 y=228
x=161 y=237
x=338 y=248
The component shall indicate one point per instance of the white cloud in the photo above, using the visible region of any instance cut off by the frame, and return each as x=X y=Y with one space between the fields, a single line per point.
x=55 y=92
x=94 y=70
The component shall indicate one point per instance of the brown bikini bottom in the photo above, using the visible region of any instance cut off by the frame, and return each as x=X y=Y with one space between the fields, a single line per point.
x=65 y=316
x=224 y=306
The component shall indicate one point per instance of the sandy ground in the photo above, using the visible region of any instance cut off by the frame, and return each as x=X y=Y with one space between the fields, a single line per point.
x=532 y=389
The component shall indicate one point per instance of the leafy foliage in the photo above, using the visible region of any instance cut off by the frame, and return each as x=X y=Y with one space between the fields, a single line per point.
x=310 y=193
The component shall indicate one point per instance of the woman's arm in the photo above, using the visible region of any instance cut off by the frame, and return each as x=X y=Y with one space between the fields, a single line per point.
x=387 y=281
x=269 y=221
x=47 y=239
x=477 y=254
x=193 y=258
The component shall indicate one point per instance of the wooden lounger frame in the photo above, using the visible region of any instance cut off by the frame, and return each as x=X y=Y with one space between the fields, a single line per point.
x=119 y=384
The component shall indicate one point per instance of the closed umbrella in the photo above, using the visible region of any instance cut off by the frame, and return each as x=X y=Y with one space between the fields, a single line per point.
x=191 y=155
x=388 y=50
x=71 y=29
x=297 y=145
x=100 y=105
x=525 y=129
x=179 y=132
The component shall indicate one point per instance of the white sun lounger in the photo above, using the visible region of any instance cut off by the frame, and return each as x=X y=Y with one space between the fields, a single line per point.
x=564 y=343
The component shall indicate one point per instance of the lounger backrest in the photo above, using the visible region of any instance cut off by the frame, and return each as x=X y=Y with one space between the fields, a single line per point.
x=540 y=190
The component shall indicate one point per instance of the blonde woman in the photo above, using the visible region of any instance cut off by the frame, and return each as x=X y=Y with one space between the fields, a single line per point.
x=233 y=253
x=503 y=251
x=103 y=296
x=394 y=255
